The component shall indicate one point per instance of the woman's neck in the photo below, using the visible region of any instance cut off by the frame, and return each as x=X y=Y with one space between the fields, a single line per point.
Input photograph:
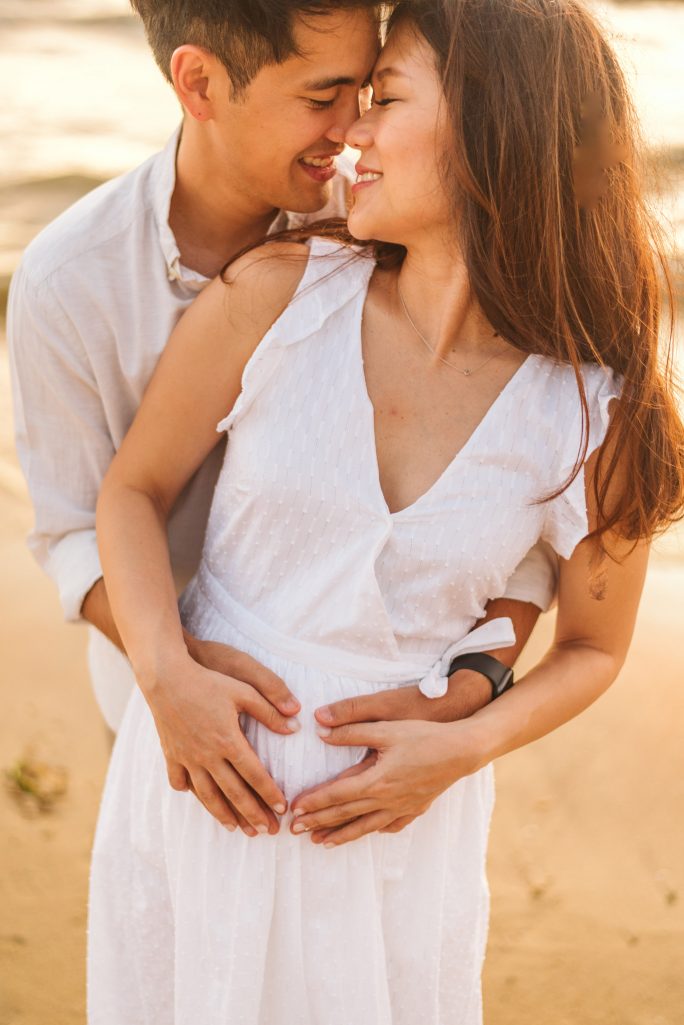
x=433 y=286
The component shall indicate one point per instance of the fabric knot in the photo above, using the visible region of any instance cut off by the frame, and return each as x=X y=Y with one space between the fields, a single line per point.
x=434 y=684
x=496 y=633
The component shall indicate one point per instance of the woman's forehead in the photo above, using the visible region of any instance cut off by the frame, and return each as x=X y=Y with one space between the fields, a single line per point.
x=405 y=54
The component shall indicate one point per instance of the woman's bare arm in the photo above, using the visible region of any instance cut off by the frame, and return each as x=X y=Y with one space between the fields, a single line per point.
x=196 y=383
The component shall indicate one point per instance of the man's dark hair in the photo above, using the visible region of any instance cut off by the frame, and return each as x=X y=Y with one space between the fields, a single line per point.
x=244 y=35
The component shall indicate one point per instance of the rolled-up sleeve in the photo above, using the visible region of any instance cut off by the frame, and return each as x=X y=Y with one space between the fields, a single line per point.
x=535 y=578
x=62 y=439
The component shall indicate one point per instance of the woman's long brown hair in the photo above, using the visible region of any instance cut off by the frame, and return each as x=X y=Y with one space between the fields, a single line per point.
x=562 y=254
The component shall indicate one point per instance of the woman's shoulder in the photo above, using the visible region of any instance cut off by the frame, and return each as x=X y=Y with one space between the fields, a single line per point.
x=262 y=283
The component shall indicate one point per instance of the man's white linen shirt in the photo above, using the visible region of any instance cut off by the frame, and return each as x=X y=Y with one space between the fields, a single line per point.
x=91 y=308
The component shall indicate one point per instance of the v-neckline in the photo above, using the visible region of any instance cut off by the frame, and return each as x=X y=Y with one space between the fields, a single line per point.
x=470 y=440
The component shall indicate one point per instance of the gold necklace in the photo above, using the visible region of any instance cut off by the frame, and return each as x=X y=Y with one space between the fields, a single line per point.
x=468 y=371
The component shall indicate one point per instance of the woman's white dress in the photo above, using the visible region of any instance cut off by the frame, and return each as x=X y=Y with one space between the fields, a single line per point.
x=306 y=569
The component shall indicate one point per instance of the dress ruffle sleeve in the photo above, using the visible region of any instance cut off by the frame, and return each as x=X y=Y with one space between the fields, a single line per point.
x=566 y=521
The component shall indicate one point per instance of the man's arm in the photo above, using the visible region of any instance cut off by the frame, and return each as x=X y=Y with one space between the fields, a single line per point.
x=96 y=610
x=62 y=440
x=468 y=691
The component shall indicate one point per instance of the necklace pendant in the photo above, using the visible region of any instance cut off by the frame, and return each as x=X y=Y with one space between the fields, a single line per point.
x=466 y=372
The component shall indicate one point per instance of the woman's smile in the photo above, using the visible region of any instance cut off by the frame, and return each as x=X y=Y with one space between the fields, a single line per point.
x=365 y=176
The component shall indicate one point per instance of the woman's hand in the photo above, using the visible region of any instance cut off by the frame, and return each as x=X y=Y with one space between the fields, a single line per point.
x=409 y=764
x=196 y=712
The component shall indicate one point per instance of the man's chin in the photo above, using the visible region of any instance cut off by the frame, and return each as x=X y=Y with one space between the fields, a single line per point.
x=311 y=200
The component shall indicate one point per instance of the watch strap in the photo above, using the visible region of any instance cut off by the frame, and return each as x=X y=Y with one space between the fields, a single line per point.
x=499 y=675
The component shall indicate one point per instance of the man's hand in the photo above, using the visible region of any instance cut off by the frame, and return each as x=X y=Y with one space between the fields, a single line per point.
x=409 y=764
x=196 y=712
x=468 y=692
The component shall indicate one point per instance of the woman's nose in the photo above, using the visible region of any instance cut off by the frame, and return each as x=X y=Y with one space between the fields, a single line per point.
x=360 y=136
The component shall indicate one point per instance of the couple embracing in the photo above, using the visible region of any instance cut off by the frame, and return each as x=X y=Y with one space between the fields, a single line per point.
x=368 y=451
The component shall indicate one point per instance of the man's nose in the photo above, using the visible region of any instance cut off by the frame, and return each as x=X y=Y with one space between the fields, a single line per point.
x=346 y=115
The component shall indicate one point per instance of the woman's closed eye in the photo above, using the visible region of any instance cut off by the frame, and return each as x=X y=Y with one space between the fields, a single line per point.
x=384 y=102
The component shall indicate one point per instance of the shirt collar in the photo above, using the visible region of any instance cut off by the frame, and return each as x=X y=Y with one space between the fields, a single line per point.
x=163 y=184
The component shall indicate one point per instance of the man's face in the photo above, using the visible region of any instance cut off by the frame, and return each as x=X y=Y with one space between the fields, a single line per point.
x=276 y=143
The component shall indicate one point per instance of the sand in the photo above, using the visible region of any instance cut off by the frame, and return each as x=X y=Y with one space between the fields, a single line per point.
x=587 y=846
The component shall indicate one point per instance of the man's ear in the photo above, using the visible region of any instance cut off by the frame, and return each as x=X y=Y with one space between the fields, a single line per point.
x=195 y=72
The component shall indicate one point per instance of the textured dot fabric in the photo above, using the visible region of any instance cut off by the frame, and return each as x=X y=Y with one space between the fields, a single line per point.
x=306 y=569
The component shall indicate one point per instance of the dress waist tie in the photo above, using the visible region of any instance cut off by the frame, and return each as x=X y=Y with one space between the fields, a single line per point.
x=409 y=668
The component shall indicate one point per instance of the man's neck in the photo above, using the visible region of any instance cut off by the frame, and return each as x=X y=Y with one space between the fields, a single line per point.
x=210 y=221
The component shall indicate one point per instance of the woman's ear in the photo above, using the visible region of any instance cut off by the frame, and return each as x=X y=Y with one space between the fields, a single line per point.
x=194 y=71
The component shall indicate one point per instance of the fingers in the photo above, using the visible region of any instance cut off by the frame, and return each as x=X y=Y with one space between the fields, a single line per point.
x=247 y=764
x=243 y=800
x=225 y=659
x=371 y=823
x=374 y=735
x=382 y=706
x=267 y=683
x=329 y=817
x=366 y=763
x=340 y=791
x=250 y=701
x=206 y=790
x=178 y=777
x=212 y=794
x=399 y=824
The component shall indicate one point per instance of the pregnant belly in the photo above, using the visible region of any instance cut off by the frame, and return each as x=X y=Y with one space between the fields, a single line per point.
x=302 y=759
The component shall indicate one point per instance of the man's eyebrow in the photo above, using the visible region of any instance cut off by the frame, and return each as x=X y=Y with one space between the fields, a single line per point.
x=319 y=85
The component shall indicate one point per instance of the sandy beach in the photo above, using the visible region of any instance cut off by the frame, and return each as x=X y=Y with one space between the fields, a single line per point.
x=587 y=849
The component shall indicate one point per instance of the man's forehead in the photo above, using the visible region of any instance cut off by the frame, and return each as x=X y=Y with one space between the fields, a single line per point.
x=342 y=37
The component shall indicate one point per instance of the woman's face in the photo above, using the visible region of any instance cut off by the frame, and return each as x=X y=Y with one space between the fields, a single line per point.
x=399 y=195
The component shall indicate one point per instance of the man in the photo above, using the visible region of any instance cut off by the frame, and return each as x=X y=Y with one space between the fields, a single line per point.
x=268 y=95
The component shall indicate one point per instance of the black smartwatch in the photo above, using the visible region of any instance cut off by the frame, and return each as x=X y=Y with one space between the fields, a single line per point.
x=499 y=675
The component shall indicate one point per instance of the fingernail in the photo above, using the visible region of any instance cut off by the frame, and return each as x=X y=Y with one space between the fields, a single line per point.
x=262 y=829
x=299 y=827
x=290 y=706
x=323 y=731
x=293 y=724
x=296 y=812
x=329 y=845
x=280 y=809
x=230 y=827
x=325 y=713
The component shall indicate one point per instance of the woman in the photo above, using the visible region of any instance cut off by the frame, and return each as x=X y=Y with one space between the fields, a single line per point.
x=375 y=495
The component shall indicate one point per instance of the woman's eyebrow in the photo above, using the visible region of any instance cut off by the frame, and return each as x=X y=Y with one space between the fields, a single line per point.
x=387 y=72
